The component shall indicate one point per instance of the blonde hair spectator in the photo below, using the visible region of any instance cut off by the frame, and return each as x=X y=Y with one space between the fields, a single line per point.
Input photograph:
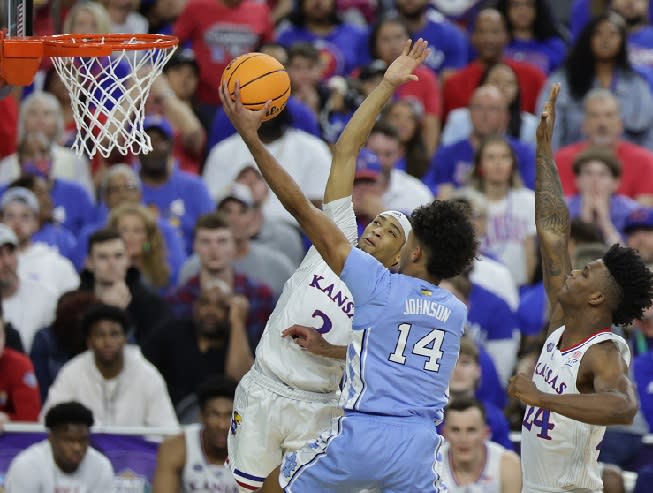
x=87 y=18
x=145 y=246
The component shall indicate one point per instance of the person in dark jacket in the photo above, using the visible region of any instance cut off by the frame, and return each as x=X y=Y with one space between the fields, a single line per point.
x=108 y=276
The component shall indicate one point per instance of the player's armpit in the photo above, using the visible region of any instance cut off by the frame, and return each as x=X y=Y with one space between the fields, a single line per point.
x=169 y=465
x=510 y=469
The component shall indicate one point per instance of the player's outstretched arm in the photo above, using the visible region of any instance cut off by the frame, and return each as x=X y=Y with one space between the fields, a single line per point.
x=327 y=238
x=613 y=401
x=354 y=136
x=551 y=213
x=169 y=465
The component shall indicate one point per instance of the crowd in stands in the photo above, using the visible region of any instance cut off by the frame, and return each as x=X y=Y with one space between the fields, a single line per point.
x=127 y=281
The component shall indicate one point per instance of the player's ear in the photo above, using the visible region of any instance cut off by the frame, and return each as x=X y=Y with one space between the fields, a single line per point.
x=416 y=254
x=596 y=298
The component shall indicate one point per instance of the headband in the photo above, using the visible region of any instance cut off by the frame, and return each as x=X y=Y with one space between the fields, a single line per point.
x=401 y=219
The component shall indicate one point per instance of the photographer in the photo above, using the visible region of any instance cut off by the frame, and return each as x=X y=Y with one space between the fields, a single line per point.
x=213 y=341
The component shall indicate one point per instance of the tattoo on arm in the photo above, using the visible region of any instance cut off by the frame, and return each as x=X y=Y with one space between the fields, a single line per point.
x=551 y=213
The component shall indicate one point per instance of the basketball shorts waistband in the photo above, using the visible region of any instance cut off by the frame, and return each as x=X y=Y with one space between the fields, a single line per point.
x=257 y=377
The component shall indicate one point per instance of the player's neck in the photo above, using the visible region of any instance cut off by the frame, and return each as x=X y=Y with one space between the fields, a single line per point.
x=580 y=324
x=419 y=271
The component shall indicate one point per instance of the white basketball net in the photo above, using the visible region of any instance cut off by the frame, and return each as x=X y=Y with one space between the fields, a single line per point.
x=108 y=95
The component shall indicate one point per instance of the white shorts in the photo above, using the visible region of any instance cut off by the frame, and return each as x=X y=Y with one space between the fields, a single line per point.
x=270 y=418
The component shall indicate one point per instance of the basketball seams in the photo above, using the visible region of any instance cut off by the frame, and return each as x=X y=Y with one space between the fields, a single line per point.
x=273 y=100
x=261 y=76
x=253 y=55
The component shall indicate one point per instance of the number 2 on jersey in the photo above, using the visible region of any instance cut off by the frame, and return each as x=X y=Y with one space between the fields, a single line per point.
x=540 y=420
x=434 y=339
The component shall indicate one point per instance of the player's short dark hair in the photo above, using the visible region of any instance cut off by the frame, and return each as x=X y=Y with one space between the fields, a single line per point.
x=445 y=230
x=461 y=404
x=102 y=236
x=68 y=413
x=210 y=221
x=213 y=388
x=98 y=312
x=632 y=282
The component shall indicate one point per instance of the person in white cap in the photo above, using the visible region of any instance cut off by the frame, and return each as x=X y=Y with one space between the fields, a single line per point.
x=19 y=209
x=18 y=293
x=287 y=384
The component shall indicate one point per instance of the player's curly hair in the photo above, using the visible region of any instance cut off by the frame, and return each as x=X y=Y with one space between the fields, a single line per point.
x=632 y=282
x=444 y=228
x=68 y=413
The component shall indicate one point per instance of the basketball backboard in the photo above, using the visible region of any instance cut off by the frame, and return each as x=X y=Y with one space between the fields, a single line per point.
x=17 y=17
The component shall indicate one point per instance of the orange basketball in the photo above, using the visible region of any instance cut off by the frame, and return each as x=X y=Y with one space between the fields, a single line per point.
x=262 y=78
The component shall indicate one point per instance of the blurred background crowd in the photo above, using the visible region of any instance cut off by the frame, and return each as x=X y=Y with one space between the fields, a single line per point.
x=162 y=269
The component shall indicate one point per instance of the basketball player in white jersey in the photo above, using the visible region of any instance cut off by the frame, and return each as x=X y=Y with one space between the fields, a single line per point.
x=471 y=462
x=289 y=395
x=64 y=461
x=195 y=460
x=580 y=383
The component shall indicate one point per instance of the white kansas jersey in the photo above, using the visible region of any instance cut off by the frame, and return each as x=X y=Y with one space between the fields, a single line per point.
x=489 y=481
x=314 y=296
x=199 y=476
x=558 y=453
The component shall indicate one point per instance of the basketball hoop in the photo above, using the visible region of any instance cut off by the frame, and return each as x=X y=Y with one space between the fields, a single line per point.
x=108 y=77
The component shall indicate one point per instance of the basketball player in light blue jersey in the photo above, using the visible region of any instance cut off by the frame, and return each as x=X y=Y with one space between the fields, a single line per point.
x=405 y=344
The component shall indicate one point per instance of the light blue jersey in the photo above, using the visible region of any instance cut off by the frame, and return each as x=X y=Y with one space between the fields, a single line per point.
x=406 y=340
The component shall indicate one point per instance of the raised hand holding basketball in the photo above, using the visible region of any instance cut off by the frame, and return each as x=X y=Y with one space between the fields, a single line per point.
x=412 y=56
x=246 y=122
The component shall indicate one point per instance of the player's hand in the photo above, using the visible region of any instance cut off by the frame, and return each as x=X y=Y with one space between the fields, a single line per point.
x=238 y=307
x=547 y=119
x=308 y=338
x=523 y=388
x=401 y=70
x=247 y=122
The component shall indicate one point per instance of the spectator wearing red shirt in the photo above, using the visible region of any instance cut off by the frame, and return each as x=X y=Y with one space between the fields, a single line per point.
x=20 y=399
x=221 y=30
x=387 y=39
x=490 y=39
x=8 y=126
x=603 y=127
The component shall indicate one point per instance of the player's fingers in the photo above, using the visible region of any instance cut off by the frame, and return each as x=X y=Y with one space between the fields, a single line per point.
x=267 y=106
x=413 y=77
x=425 y=54
x=407 y=47
x=418 y=48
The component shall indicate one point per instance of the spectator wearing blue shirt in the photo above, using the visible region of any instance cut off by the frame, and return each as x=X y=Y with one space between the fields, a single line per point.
x=447 y=41
x=535 y=37
x=175 y=195
x=583 y=10
x=597 y=172
x=452 y=165
x=340 y=43
x=73 y=206
x=50 y=232
x=121 y=186
x=640 y=34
